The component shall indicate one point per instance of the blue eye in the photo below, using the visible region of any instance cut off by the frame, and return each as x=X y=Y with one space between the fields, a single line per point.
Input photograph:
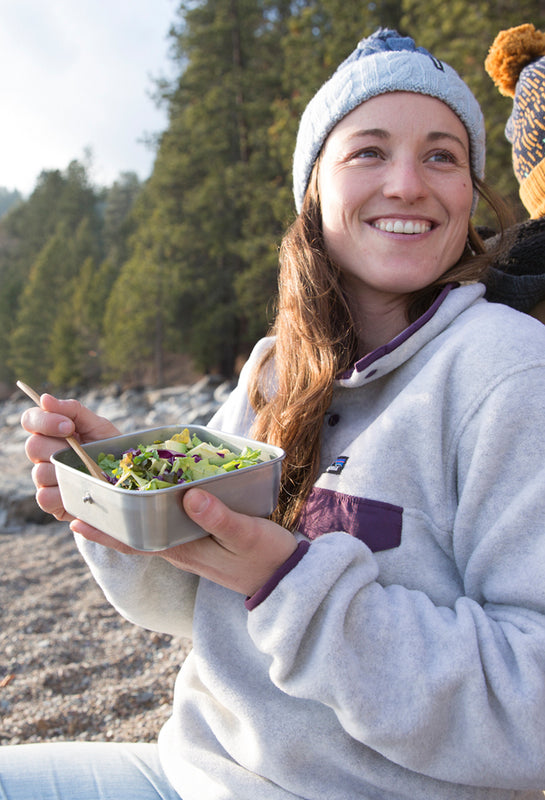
x=368 y=152
x=443 y=157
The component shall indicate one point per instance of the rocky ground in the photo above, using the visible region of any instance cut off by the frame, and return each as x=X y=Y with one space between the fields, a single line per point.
x=70 y=666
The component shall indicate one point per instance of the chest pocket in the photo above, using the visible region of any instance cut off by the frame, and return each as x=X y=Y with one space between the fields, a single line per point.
x=376 y=523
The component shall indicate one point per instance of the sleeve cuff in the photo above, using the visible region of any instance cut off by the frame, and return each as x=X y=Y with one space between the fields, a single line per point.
x=262 y=593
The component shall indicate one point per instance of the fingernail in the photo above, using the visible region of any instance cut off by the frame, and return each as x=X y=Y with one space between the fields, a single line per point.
x=196 y=501
x=65 y=428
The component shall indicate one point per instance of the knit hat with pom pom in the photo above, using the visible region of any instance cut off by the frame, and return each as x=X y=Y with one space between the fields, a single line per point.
x=516 y=64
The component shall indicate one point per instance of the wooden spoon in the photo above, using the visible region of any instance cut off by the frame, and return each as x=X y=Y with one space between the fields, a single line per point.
x=91 y=465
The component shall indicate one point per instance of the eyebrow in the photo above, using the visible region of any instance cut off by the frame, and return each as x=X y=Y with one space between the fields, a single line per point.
x=433 y=136
x=378 y=132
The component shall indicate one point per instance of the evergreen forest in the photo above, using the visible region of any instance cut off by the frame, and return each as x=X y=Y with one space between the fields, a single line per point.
x=104 y=283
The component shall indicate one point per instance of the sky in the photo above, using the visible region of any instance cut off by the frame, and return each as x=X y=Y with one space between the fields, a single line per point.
x=76 y=77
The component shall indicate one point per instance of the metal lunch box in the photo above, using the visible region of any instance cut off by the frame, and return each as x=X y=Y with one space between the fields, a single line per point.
x=155 y=519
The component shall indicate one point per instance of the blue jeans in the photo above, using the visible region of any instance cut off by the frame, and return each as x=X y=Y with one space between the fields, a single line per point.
x=83 y=771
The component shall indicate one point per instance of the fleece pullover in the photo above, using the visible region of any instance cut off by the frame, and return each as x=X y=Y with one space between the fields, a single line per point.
x=400 y=653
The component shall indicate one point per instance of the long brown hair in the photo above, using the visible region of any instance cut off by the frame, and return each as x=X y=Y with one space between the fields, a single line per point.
x=315 y=340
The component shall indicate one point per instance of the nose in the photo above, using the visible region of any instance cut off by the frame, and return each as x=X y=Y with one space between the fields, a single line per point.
x=405 y=180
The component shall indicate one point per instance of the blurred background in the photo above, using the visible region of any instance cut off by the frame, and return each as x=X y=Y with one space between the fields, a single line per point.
x=145 y=176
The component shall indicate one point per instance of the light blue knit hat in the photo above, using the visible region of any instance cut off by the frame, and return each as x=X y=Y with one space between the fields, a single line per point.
x=384 y=62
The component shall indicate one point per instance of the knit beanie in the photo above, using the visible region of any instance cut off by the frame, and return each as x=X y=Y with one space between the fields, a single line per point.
x=384 y=62
x=516 y=64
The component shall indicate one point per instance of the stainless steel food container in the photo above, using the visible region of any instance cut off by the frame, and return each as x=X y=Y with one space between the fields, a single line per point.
x=155 y=519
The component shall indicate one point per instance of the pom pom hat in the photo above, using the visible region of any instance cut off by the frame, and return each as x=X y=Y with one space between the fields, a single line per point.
x=384 y=62
x=516 y=64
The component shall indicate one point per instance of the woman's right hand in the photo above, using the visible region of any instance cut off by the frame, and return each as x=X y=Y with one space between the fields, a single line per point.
x=49 y=426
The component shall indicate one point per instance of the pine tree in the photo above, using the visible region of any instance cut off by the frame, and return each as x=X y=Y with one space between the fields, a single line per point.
x=50 y=218
x=30 y=355
x=8 y=199
x=137 y=312
x=119 y=222
x=212 y=171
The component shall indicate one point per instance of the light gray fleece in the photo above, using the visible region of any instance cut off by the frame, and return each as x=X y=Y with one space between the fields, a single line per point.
x=415 y=671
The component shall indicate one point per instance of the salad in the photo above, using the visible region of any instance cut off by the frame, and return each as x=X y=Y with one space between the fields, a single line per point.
x=181 y=459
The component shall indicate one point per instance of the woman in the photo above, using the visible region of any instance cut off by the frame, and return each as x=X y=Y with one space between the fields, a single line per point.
x=391 y=643
x=516 y=64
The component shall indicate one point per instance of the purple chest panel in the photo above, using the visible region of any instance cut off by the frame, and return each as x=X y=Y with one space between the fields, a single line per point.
x=376 y=523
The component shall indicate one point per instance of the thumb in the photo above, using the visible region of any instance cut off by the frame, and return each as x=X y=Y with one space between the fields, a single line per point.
x=238 y=533
x=214 y=516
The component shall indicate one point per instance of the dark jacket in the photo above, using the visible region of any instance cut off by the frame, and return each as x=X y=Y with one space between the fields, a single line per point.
x=517 y=274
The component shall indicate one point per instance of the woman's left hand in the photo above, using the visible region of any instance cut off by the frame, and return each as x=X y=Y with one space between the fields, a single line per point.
x=241 y=552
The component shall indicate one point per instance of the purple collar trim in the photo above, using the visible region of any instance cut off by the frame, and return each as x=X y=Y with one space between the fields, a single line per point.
x=370 y=358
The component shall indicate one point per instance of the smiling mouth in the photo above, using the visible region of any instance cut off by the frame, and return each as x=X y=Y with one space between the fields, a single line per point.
x=407 y=226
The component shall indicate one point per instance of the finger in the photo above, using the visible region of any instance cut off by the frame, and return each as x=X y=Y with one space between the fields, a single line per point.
x=37 y=420
x=215 y=517
x=94 y=535
x=41 y=448
x=44 y=475
x=242 y=552
x=65 y=418
x=237 y=533
x=49 y=500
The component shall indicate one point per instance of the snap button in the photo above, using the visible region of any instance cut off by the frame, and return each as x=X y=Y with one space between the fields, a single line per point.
x=333 y=420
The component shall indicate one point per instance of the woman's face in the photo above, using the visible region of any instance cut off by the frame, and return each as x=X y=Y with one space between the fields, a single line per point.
x=396 y=194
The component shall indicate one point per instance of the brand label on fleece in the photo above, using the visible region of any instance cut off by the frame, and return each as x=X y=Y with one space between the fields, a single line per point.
x=338 y=465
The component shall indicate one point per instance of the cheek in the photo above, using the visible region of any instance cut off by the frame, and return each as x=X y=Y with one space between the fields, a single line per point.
x=332 y=216
x=462 y=201
x=469 y=190
x=333 y=240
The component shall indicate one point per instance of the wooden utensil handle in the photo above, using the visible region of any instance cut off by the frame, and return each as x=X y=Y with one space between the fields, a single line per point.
x=91 y=465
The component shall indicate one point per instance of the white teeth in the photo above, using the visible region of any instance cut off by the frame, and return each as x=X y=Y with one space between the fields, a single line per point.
x=401 y=226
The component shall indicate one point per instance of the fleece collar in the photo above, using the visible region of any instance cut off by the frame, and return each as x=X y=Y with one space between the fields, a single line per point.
x=444 y=310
